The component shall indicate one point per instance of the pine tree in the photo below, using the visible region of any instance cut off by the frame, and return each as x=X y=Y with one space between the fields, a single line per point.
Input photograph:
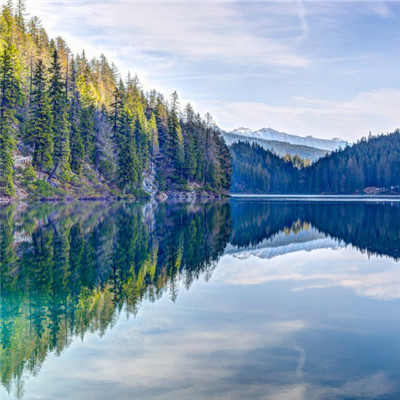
x=76 y=142
x=190 y=142
x=176 y=145
x=128 y=171
x=61 y=126
x=20 y=13
x=142 y=141
x=40 y=133
x=209 y=125
x=153 y=134
x=9 y=92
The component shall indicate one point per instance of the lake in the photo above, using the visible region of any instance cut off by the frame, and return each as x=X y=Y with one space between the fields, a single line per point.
x=244 y=299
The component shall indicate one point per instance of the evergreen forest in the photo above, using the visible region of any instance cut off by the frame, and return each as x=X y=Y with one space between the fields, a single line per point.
x=370 y=166
x=74 y=126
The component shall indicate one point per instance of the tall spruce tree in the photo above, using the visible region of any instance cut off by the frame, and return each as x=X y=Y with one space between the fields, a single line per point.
x=9 y=92
x=40 y=123
x=128 y=170
x=76 y=142
x=153 y=134
x=176 y=145
x=59 y=110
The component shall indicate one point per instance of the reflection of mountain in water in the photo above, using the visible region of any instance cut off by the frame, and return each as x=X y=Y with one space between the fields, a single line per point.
x=71 y=269
x=287 y=241
x=373 y=228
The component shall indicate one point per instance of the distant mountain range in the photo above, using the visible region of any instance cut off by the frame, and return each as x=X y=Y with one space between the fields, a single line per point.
x=283 y=143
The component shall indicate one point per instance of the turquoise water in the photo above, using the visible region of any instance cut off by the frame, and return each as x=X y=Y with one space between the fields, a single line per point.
x=247 y=299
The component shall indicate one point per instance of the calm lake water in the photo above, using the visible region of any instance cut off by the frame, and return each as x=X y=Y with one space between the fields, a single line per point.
x=247 y=299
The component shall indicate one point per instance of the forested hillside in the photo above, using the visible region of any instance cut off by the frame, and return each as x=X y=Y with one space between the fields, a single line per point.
x=256 y=170
x=370 y=166
x=74 y=126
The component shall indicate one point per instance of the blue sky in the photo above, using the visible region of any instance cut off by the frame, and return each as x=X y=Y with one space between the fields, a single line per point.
x=327 y=69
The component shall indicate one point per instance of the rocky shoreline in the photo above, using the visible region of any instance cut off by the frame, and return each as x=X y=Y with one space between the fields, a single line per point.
x=169 y=196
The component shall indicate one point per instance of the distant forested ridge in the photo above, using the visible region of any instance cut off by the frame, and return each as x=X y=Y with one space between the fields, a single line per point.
x=70 y=125
x=370 y=166
x=279 y=148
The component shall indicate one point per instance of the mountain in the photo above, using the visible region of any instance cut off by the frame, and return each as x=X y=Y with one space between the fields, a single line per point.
x=370 y=166
x=273 y=135
x=278 y=147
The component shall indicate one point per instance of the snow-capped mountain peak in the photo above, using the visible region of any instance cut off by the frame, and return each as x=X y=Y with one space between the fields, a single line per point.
x=272 y=134
x=242 y=131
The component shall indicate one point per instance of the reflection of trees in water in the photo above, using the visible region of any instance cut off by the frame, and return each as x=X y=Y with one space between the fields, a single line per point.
x=80 y=265
x=374 y=228
x=71 y=269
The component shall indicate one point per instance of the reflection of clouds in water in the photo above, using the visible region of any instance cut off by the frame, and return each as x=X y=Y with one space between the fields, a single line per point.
x=182 y=350
x=377 y=278
x=187 y=362
x=179 y=362
x=365 y=388
x=209 y=349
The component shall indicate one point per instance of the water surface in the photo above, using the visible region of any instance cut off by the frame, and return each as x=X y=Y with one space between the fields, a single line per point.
x=252 y=299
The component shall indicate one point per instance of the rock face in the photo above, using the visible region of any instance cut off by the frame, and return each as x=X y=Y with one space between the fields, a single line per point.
x=161 y=196
x=175 y=193
x=193 y=196
x=149 y=179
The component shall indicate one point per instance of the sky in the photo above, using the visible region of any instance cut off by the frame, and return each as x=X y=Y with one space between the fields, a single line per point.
x=326 y=69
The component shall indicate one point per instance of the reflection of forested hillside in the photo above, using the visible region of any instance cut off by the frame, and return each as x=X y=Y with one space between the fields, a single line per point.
x=70 y=269
x=374 y=228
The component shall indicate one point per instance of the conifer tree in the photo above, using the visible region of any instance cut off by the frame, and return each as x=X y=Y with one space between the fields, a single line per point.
x=191 y=144
x=153 y=134
x=75 y=114
x=61 y=126
x=40 y=133
x=9 y=92
x=20 y=13
x=176 y=145
x=128 y=171
x=76 y=142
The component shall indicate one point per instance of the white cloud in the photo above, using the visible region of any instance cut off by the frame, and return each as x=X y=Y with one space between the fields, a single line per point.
x=212 y=30
x=347 y=268
x=303 y=21
x=209 y=49
x=376 y=111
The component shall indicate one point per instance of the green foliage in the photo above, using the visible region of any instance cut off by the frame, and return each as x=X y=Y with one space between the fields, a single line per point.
x=61 y=126
x=74 y=113
x=370 y=163
x=28 y=176
x=40 y=123
x=9 y=93
x=41 y=189
x=256 y=170
x=82 y=265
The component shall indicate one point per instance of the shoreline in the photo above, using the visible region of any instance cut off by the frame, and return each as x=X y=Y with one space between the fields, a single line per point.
x=172 y=198
x=319 y=197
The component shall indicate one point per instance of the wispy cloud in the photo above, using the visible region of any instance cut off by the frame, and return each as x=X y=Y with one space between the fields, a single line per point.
x=256 y=56
x=377 y=280
x=215 y=31
x=303 y=21
x=376 y=111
